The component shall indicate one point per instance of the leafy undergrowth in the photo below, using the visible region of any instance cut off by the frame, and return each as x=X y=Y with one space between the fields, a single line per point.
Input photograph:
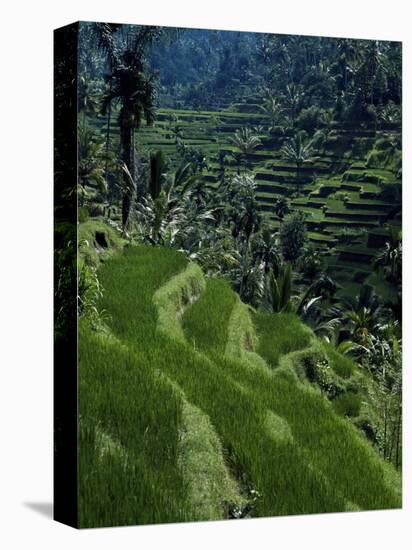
x=273 y=444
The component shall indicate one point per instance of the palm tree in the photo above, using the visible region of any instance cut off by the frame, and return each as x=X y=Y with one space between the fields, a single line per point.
x=298 y=152
x=86 y=98
x=362 y=315
x=133 y=89
x=107 y=46
x=242 y=209
x=372 y=61
x=245 y=142
x=390 y=258
x=347 y=54
x=265 y=248
x=361 y=322
x=293 y=98
x=172 y=214
x=273 y=110
x=391 y=113
x=157 y=163
x=177 y=131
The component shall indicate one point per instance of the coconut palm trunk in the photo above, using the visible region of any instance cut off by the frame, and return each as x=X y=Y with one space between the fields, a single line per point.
x=127 y=144
x=109 y=116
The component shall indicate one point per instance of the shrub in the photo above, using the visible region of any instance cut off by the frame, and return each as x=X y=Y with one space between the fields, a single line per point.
x=342 y=365
x=309 y=263
x=310 y=119
x=292 y=236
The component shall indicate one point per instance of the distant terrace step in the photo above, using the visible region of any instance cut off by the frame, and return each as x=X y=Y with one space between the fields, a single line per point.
x=351 y=215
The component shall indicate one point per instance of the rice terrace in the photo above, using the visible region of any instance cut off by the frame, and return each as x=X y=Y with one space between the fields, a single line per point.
x=239 y=261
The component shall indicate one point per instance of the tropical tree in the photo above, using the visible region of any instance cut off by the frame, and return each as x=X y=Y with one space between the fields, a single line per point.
x=273 y=109
x=157 y=165
x=171 y=213
x=223 y=159
x=242 y=211
x=390 y=258
x=391 y=113
x=133 y=89
x=297 y=152
x=362 y=315
x=248 y=277
x=347 y=55
x=292 y=236
x=177 y=132
x=107 y=45
x=293 y=99
x=87 y=97
x=246 y=142
x=265 y=248
x=309 y=262
x=322 y=288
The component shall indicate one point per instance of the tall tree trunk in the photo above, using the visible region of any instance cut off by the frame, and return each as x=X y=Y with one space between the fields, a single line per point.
x=127 y=139
x=109 y=114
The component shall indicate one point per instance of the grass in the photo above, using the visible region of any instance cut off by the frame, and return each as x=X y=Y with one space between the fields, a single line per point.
x=342 y=365
x=171 y=299
x=127 y=450
x=211 y=488
x=206 y=323
x=247 y=428
x=196 y=472
x=279 y=334
x=278 y=393
x=348 y=404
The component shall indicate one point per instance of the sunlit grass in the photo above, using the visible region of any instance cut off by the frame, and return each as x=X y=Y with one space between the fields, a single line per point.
x=128 y=438
x=206 y=322
x=133 y=389
x=279 y=334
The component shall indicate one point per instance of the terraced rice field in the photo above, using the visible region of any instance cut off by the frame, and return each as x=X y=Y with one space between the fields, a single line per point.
x=345 y=201
x=194 y=407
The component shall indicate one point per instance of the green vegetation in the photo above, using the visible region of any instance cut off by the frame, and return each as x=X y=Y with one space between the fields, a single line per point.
x=239 y=275
x=206 y=322
x=236 y=399
x=280 y=334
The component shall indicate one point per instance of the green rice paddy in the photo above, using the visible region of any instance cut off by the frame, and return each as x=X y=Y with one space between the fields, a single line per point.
x=176 y=430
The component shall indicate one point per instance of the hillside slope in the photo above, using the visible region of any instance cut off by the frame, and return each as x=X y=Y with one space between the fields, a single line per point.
x=194 y=407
